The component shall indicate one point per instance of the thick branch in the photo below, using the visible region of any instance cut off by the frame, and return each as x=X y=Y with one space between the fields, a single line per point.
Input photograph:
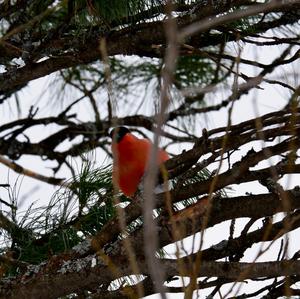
x=233 y=270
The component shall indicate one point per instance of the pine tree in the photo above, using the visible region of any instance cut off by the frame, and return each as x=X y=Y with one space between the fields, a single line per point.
x=169 y=71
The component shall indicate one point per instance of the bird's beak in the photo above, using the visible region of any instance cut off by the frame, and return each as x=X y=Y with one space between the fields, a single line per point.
x=111 y=134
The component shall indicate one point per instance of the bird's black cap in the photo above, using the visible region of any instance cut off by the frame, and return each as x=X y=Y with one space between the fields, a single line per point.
x=118 y=133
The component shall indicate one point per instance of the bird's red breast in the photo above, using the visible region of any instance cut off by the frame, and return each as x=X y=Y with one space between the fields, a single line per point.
x=131 y=156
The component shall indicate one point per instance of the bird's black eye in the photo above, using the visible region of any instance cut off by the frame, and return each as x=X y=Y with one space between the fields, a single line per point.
x=118 y=133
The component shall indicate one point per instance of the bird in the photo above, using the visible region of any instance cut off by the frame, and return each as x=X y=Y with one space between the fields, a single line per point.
x=130 y=159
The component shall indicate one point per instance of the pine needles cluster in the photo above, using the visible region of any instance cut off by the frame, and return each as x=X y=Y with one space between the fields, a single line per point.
x=74 y=213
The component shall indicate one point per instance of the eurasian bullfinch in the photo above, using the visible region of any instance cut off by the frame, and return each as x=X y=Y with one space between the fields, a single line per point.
x=130 y=159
